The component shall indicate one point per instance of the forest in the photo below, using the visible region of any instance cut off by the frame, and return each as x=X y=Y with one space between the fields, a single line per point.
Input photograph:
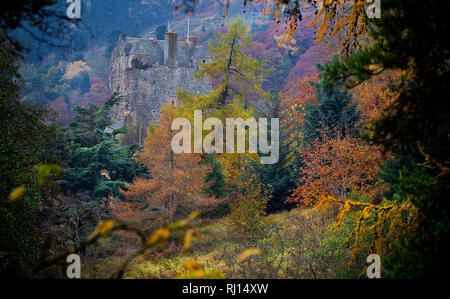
x=363 y=161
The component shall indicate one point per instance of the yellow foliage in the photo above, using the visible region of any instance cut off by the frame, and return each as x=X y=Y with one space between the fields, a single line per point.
x=385 y=222
x=247 y=253
x=75 y=68
x=328 y=17
x=102 y=229
x=194 y=270
x=188 y=238
x=248 y=207
x=16 y=193
x=106 y=227
x=159 y=237
x=44 y=171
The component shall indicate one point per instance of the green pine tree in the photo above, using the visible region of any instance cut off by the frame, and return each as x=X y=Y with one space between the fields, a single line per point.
x=281 y=176
x=216 y=178
x=334 y=111
x=94 y=163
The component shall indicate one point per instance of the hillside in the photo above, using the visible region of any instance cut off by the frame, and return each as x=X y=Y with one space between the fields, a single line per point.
x=294 y=244
x=292 y=139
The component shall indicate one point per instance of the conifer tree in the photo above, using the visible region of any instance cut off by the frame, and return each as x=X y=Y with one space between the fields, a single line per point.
x=236 y=74
x=415 y=126
x=24 y=142
x=94 y=163
x=237 y=78
x=333 y=112
x=280 y=177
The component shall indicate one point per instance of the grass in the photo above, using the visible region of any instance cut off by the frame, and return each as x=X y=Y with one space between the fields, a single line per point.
x=208 y=251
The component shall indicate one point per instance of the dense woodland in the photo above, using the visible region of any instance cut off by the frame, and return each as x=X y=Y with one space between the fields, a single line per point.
x=363 y=159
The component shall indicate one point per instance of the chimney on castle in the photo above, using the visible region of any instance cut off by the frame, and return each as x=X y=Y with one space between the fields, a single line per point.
x=170 y=49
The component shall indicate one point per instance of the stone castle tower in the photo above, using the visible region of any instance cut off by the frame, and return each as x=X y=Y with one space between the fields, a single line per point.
x=147 y=72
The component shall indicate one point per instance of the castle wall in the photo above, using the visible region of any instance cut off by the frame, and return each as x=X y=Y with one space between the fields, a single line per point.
x=146 y=90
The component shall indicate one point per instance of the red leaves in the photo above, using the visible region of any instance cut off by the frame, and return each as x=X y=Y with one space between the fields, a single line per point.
x=336 y=167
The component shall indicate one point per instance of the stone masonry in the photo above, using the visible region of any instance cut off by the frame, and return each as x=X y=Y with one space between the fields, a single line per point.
x=147 y=73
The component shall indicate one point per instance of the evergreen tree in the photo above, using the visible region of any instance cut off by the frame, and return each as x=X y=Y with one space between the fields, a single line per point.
x=409 y=37
x=286 y=66
x=24 y=143
x=280 y=176
x=94 y=162
x=333 y=112
x=215 y=179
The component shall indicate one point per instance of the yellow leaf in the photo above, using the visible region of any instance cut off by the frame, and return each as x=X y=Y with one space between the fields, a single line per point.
x=45 y=170
x=248 y=252
x=102 y=229
x=106 y=227
x=16 y=193
x=184 y=222
x=159 y=237
x=187 y=240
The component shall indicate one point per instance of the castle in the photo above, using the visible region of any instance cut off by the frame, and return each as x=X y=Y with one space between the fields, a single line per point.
x=147 y=73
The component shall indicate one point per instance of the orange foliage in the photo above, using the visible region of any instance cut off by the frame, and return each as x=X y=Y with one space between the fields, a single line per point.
x=374 y=96
x=299 y=91
x=335 y=167
x=344 y=20
x=176 y=181
x=297 y=94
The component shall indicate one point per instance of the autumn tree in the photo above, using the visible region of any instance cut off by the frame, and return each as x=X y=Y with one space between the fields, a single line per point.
x=335 y=167
x=416 y=122
x=374 y=96
x=177 y=180
x=237 y=75
x=237 y=78
x=297 y=94
x=76 y=68
x=343 y=19
x=249 y=201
